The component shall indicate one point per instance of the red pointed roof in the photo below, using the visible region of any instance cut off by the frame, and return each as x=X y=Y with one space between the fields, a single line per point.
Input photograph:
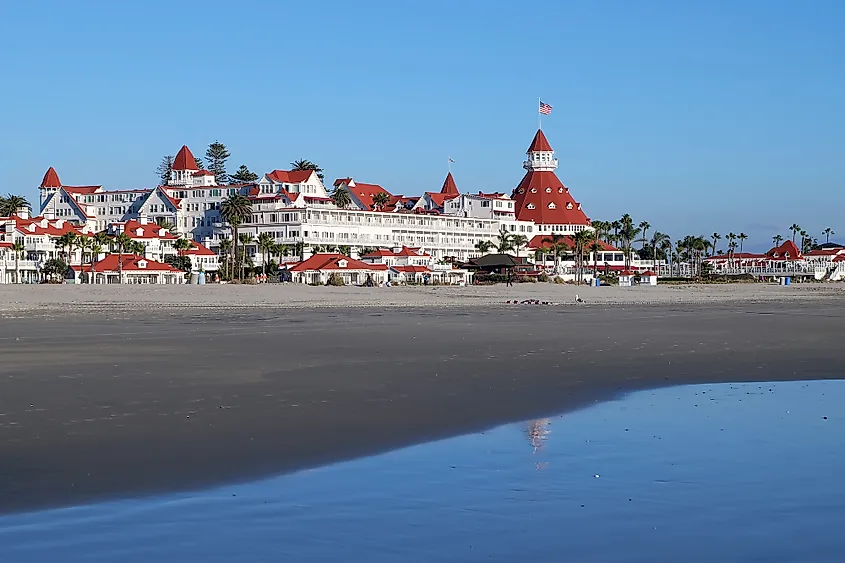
x=185 y=160
x=786 y=250
x=51 y=179
x=449 y=186
x=540 y=143
x=541 y=197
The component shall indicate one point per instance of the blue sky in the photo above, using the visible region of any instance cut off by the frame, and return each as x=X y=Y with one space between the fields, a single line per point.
x=696 y=116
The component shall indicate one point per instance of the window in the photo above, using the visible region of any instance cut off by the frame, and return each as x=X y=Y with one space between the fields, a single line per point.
x=552 y=205
x=530 y=206
x=533 y=190
x=569 y=205
x=548 y=190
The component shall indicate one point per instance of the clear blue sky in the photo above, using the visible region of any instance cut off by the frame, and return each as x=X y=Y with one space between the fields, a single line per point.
x=696 y=116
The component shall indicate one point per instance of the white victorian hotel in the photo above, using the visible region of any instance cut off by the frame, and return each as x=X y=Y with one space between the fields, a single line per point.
x=295 y=207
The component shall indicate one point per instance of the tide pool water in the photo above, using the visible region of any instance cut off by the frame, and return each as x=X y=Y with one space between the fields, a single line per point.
x=743 y=472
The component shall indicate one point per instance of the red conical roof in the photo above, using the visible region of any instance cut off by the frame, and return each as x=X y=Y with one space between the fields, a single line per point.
x=51 y=179
x=539 y=143
x=185 y=160
x=541 y=197
x=449 y=186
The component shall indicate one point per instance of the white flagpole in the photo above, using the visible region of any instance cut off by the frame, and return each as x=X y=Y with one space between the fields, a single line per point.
x=539 y=113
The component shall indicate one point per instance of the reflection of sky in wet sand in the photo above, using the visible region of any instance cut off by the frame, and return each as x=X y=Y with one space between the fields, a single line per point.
x=693 y=474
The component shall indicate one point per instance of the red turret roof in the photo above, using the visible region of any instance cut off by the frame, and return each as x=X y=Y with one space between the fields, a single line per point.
x=449 y=186
x=540 y=143
x=542 y=198
x=51 y=179
x=185 y=160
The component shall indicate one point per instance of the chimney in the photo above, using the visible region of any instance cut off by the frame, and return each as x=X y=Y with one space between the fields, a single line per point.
x=22 y=212
x=142 y=219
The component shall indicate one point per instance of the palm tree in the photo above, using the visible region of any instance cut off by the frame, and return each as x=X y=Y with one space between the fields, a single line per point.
x=303 y=164
x=182 y=245
x=581 y=239
x=225 y=248
x=483 y=246
x=794 y=228
x=340 y=197
x=10 y=204
x=657 y=239
x=67 y=240
x=96 y=249
x=777 y=239
x=265 y=245
x=122 y=242
x=519 y=242
x=166 y=225
x=644 y=227
x=299 y=249
x=138 y=247
x=731 y=238
x=742 y=237
x=245 y=239
x=235 y=210
x=504 y=239
x=804 y=240
x=18 y=249
x=83 y=243
x=827 y=232
x=716 y=238
x=627 y=233
x=380 y=199
x=558 y=246
x=280 y=250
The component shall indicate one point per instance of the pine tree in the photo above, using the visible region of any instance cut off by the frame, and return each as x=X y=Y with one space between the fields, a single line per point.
x=200 y=165
x=164 y=169
x=243 y=176
x=216 y=155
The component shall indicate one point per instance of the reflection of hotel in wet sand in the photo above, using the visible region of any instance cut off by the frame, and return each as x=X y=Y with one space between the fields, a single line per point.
x=538 y=432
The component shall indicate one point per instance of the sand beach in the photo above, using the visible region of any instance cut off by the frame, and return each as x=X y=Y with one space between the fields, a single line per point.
x=125 y=390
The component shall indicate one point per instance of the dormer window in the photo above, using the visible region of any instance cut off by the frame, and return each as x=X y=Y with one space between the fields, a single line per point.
x=530 y=206
x=552 y=205
x=533 y=190
x=560 y=190
x=342 y=263
x=522 y=190
x=569 y=206
x=548 y=190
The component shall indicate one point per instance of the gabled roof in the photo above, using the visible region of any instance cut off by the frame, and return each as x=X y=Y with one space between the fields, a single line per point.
x=51 y=179
x=332 y=262
x=135 y=230
x=365 y=192
x=540 y=143
x=82 y=189
x=198 y=250
x=440 y=198
x=787 y=249
x=42 y=226
x=403 y=251
x=496 y=261
x=289 y=176
x=202 y=173
x=449 y=186
x=130 y=262
x=185 y=160
x=411 y=269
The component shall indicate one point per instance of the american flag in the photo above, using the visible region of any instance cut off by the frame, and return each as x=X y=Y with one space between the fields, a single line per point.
x=545 y=108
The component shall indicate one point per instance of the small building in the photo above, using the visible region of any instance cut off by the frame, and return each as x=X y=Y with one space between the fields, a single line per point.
x=627 y=278
x=317 y=269
x=648 y=278
x=134 y=269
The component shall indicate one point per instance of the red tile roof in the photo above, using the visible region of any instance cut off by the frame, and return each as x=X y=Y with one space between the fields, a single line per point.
x=788 y=248
x=290 y=176
x=411 y=269
x=365 y=193
x=131 y=263
x=82 y=189
x=404 y=251
x=148 y=231
x=331 y=261
x=449 y=186
x=439 y=198
x=198 y=250
x=51 y=179
x=539 y=241
x=33 y=227
x=540 y=143
x=202 y=173
x=185 y=160
x=541 y=197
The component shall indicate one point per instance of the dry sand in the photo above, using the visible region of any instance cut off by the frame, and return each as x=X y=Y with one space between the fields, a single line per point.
x=127 y=297
x=109 y=391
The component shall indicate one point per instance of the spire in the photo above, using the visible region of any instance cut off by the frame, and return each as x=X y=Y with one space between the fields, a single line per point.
x=51 y=179
x=185 y=160
x=449 y=186
x=539 y=143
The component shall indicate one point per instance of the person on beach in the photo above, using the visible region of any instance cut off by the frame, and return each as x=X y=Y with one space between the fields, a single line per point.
x=509 y=281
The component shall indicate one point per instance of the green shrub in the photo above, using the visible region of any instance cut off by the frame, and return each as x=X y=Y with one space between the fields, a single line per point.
x=335 y=279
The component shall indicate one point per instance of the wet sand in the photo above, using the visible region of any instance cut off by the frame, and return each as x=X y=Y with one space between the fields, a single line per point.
x=98 y=402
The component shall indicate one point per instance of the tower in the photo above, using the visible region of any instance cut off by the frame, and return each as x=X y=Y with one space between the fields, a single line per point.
x=542 y=198
x=49 y=185
x=184 y=166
